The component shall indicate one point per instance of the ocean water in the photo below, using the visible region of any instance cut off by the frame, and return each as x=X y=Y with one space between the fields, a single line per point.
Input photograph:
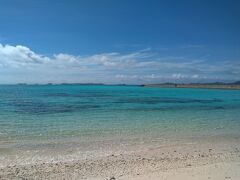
x=79 y=118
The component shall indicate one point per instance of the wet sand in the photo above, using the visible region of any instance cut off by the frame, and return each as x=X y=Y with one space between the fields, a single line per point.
x=196 y=160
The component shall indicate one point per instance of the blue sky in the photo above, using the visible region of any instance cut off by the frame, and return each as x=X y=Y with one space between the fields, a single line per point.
x=124 y=41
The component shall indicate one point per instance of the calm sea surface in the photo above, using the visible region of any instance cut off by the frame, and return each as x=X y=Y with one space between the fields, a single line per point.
x=34 y=117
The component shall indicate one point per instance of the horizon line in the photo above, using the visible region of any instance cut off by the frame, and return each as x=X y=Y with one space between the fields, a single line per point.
x=116 y=84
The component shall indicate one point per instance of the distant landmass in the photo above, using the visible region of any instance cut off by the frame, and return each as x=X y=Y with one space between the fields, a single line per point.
x=215 y=85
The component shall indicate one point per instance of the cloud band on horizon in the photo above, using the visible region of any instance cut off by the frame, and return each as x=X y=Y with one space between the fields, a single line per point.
x=19 y=64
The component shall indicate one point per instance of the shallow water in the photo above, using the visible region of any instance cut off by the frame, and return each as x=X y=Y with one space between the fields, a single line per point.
x=88 y=117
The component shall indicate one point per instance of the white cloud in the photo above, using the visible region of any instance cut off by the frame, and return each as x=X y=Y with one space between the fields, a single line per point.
x=178 y=76
x=141 y=66
x=19 y=55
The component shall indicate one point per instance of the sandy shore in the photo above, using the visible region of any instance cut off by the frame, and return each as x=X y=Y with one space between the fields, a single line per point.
x=206 y=160
x=216 y=171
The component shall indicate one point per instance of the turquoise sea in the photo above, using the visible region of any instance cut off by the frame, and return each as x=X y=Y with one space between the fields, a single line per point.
x=42 y=118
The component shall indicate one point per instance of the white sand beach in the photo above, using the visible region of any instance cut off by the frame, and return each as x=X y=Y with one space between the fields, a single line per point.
x=206 y=159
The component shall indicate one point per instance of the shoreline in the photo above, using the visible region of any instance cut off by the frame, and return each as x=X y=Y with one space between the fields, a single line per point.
x=62 y=132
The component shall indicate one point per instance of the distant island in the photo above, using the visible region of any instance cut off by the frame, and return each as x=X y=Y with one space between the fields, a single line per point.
x=216 y=85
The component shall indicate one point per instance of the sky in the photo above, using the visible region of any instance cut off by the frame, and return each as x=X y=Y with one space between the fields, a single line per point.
x=119 y=41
